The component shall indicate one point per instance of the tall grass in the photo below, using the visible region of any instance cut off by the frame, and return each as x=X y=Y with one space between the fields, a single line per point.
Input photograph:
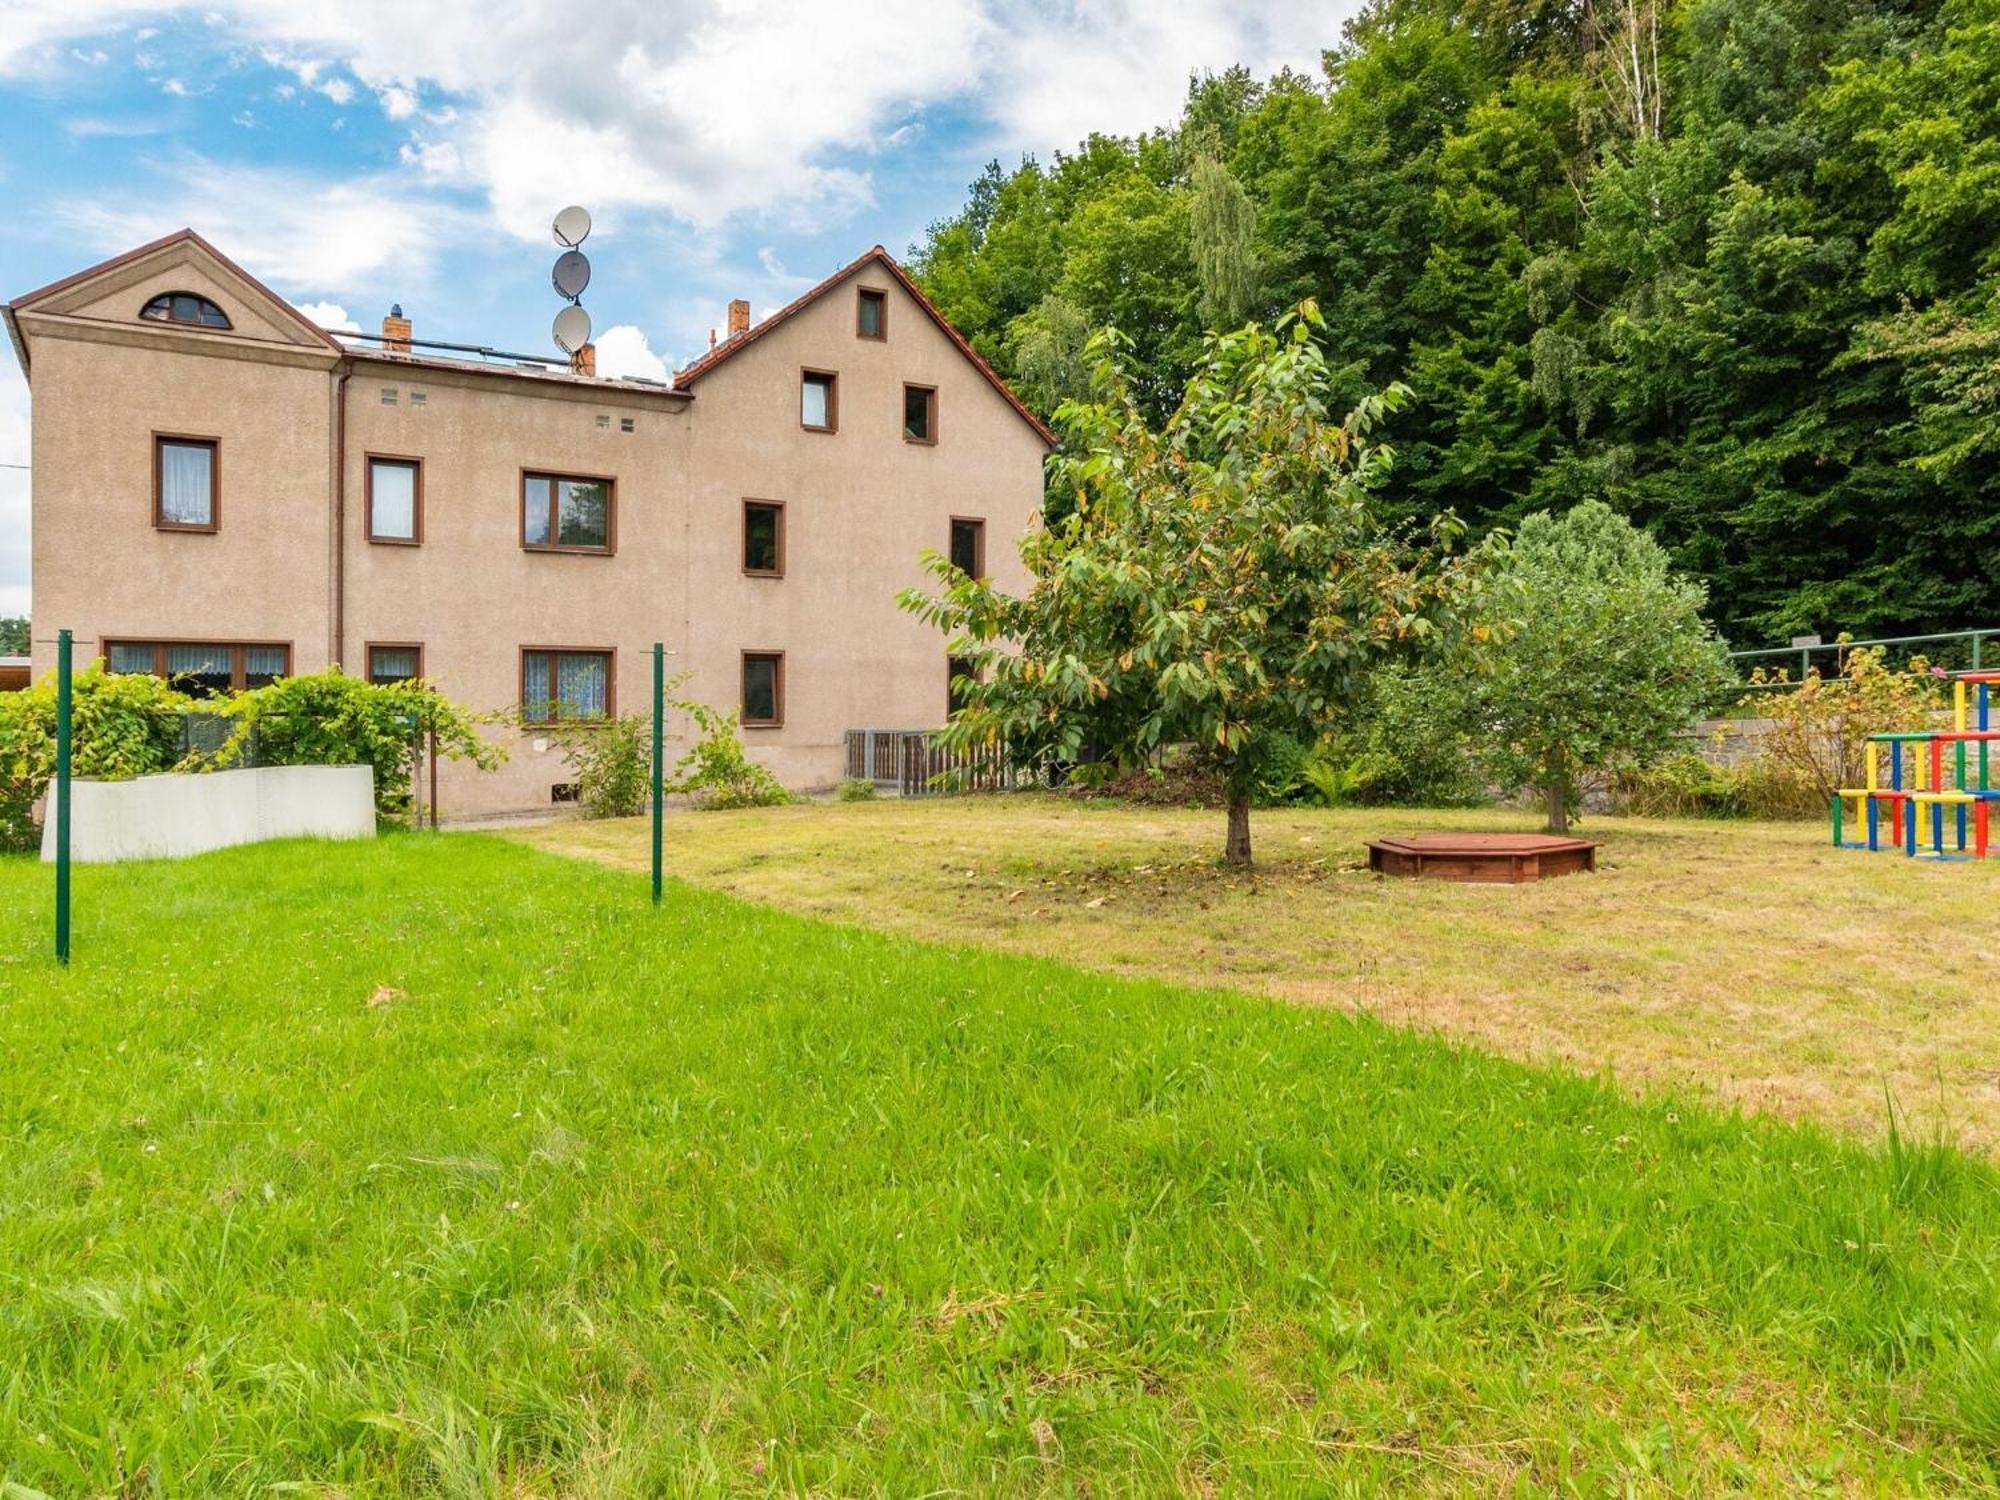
x=441 y=1166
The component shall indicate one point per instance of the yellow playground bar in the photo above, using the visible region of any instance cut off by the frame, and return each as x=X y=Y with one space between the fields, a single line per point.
x=1924 y=783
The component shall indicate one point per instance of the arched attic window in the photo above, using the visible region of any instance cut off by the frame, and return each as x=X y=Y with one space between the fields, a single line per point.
x=185 y=307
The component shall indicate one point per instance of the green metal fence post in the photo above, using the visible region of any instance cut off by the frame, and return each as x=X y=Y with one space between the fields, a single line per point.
x=63 y=650
x=659 y=755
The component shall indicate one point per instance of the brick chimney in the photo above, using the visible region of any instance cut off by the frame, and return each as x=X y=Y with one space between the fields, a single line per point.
x=584 y=361
x=396 y=331
x=739 y=317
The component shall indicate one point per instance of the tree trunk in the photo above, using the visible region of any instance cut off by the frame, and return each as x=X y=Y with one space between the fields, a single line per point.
x=1237 y=851
x=1558 y=805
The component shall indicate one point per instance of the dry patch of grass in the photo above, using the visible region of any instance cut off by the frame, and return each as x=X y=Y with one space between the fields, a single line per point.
x=1749 y=960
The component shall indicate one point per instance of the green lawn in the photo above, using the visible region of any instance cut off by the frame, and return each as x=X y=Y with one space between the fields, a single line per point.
x=445 y=1166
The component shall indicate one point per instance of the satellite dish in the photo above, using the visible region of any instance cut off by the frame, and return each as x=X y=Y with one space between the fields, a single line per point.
x=572 y=226
x=572 y=329
x=571 y=274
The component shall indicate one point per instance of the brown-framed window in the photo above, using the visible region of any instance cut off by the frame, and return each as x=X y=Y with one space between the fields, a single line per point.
x=564 y=684
x=764 y=538
x=956 y=670
x=871 y=313
x=568 y=512
x=395 y=499
x=184 y=307
x=763 y=689
x=920 y=414
x=395 y=661
x=203 y=669
x=968 y=545
x=819 y=401
x=187 y=482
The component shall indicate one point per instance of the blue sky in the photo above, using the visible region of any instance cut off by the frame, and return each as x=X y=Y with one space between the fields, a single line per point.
x=354 y=153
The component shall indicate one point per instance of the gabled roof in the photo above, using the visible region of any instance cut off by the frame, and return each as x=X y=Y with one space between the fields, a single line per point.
x=284 y=309
x=729 y=349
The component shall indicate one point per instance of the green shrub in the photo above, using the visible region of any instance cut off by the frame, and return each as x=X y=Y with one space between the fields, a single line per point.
x=613 y=761
x=857 y=789
x=122 y=725
x=1685 y=785
x=715 y=773
x=1406 y=748
x=331 y=719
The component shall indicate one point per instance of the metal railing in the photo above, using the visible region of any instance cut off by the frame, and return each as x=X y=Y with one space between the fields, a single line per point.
x=1974 y=639
x=911 y=763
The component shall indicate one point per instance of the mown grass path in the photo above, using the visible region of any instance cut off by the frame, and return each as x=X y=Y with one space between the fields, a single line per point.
x=443 y=1166
x=1752 y=961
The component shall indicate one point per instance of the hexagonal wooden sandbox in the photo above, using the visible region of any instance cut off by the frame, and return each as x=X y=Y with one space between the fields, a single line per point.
x=1505 y=858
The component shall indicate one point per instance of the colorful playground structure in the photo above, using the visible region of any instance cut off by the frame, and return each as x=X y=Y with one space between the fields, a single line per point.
x=1923 y=782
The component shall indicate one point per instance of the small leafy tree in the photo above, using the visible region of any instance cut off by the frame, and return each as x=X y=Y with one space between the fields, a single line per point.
x=715 y=773
x=122 y=725
x=613 y=761
x=330 y=719
x=1604 y=654
x=13 y=635
x=1225 y=581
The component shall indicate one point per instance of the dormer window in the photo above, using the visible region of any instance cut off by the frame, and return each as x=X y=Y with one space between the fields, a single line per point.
x=184 y=307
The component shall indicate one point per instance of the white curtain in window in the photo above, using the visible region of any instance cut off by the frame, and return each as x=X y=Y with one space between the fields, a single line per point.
x=186 y=493
x=812 y=403
x=393 y=492
x=262 y=664
x=581 y=684
x=197 y=661
x=131 y=659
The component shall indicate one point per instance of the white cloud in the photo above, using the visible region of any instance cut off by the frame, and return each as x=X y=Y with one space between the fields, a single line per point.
x=435 y=159
x=329 y=315
x=116 y=129
x=728 y=107
x=624 y=350
x=284 y=226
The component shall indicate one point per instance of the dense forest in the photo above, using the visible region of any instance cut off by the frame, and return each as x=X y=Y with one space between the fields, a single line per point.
x=1732 y=266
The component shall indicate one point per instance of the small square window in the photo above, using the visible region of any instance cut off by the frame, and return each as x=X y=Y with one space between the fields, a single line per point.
x=871 y=314
x=420 y=398
x=968 y=546
x=603 y=421
x=763 y=689
x=388 y=395
x=958 y=670
x=387 y=664
x=819 y=408
x=764 y=538
x=184 y=483
x=627 y=424
x=565 y=685
x=920 y=413
x=395 y=500
x=567 y=513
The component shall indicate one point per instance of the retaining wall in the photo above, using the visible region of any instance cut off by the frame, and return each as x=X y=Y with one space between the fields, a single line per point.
x=169 y=817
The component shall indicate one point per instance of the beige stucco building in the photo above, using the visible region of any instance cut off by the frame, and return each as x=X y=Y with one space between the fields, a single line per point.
x=223 y=491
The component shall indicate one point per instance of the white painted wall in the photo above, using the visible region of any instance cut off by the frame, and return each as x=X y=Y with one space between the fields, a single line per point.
x=169 y=817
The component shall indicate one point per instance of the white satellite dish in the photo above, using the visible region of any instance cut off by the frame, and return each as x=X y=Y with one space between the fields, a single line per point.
x=572 y=329
x=572 y=226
